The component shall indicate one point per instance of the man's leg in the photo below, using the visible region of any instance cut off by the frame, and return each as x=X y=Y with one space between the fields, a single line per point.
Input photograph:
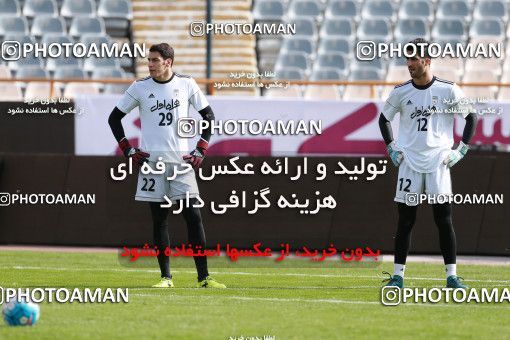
x=447 y=242
x=406 y=220
x=196 y=236
x=161 y=238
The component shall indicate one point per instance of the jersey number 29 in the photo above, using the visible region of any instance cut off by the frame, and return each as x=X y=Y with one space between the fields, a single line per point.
x=166 y=118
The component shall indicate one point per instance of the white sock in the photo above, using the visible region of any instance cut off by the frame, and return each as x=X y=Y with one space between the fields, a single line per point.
x=399 y=269
x=451 y=269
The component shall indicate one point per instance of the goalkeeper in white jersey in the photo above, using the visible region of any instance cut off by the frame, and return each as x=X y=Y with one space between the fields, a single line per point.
x=423 y=152
x=162 y=99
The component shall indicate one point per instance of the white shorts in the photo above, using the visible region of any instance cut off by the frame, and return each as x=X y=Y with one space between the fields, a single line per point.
x=153 y=187
x=412 y=183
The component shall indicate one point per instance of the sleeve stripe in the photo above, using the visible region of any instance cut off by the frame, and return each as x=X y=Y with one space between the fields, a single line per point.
x=132 y=97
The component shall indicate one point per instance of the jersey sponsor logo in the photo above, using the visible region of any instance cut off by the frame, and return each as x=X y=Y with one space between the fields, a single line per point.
x=151 y=96
x=409 y=102
x=170 y=105
x=423 y=111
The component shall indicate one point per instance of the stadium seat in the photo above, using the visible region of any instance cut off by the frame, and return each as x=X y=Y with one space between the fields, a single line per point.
x=55 y=38
x=9 y=8
x=34 y=8
x=116 y=15
x=13 y=25
x=268 y=10
x=447 y=74
x=362 y=91
x=506 y=63
x=334 y=27
x=40 y=90
x=84 y=25
x=293 y=59
x=269 y=46
x=399 y=61
x=377 y=30
x=378 y=9
x=487 y=28
x=416 y=9
x=378 y=65
x=448 y=68
x=454 y=9
x=31 y=72
x=69 y=73
x=336 y=60
x=10 y=92
x=73 y=89
x=477 y=76
x=397 y=74
x=78 y=8
x=409 y=29
x=92 y=63
x=447 y=62
x=267 y=64
x=452 y=41
x=119 y=9
x=98 y=40
x=298 y=45
x=504 y=91
x=48 y=25
x=331 y=92
x=293 y=91
x=29 y=61
x=305 y=27
x=21 y=38
x=292 y=73
x=305 y=8
x=484 y=64
x=335 y=44
x=52 y=64
x=115 y=88
x=346 y=9
x=449 y=29
x=491 y=9
x=485 y=40
x=5 y=72
x=102 y=73
x=323 y=92
x=319 y=73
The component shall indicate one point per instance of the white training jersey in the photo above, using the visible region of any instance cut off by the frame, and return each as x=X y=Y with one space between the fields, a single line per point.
x=161 y=105
x=426 y=120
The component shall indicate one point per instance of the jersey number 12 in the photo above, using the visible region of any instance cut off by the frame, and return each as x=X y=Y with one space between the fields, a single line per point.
x=424 y=127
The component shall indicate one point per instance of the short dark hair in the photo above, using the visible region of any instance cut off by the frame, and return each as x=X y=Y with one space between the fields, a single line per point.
x=166 y=51
x=423 y=43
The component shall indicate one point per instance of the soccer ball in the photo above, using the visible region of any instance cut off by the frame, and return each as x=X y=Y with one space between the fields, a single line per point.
x=20 y=313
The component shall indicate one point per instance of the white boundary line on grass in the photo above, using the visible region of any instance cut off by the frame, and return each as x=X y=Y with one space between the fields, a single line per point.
x=236 y=273
x=332 y=301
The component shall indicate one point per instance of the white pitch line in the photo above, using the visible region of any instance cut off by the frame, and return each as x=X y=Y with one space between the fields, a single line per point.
x=332 y=301
x=279 y=287
x=267 y=299
x=240 y=273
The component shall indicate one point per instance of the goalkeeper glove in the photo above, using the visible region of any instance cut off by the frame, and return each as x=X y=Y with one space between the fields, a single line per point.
x=138 y=156
x=196 y=156
x=456 y=155
x=395 y=155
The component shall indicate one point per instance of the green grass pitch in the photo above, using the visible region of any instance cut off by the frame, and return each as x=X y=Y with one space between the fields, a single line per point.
x=283 y=302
